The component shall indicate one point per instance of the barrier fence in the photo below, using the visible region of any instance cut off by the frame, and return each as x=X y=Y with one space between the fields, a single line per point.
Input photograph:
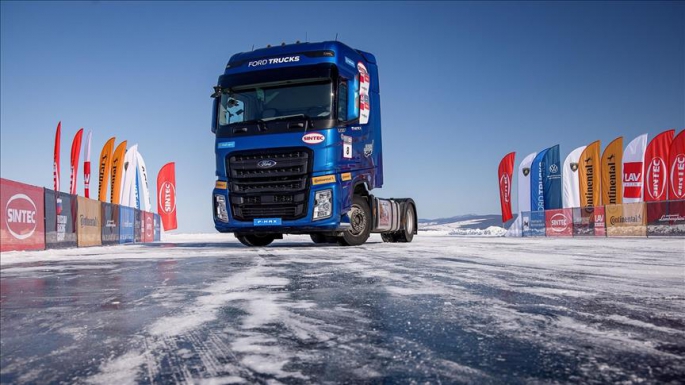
x=36 y=218
x=644 y=219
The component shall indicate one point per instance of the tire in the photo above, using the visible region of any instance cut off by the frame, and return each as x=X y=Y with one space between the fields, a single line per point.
x=360 y=221
x=256 y=240
x=406 y=233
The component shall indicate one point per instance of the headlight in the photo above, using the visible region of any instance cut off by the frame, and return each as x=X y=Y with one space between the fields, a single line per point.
x=220 y=208
x=323 y=205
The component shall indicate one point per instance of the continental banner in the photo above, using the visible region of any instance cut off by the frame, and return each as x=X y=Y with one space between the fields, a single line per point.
x=22 y=225
x=666 y=218
x=158 y=232
x=149 y=227
x=110 y=224
x=589 y=222
x=60 y=212
x=626 y=220
x=559 y=223
x=127 y=217
x=88 y=222
x=612 y=173
x=138 y=226
x=588 y=176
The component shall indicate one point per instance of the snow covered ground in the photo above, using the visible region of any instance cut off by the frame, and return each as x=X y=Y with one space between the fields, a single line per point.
x=204 y=309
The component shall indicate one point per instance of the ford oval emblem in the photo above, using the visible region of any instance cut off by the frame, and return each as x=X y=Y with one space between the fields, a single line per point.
x=267 y=163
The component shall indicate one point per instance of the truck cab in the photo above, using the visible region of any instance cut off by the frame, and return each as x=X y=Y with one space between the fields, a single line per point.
x=299 y=147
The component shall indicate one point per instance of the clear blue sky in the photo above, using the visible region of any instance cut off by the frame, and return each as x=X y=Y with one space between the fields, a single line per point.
x=462 y=84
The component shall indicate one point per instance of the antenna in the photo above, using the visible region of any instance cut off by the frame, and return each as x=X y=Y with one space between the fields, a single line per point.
x=336 y=36
x=306 y=38
x=253 y=47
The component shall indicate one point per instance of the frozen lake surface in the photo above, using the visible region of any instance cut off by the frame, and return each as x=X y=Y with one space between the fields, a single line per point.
x=205 y=309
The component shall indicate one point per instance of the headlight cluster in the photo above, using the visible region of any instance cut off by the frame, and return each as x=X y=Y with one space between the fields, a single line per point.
x=220 y=208
x=323 y=205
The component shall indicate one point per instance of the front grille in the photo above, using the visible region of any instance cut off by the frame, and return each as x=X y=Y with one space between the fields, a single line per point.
x=270 y=183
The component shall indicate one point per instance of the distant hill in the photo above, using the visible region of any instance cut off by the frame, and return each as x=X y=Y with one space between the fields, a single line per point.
x=469 y=224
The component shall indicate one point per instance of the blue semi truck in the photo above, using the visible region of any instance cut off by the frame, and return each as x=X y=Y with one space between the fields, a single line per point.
x=299 y=148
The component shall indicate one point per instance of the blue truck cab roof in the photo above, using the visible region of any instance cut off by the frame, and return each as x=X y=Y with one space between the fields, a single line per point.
x=341 y=55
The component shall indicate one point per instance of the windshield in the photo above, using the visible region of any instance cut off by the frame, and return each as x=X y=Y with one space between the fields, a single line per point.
x=270 y=102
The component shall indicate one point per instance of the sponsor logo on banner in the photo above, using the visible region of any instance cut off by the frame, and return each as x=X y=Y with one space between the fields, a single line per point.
x=84 y=221
x=559 y=223
x=553 y=169
x=368 y=149
x=526 y=171
x=678 y=177
x=574 y=167
x=632 y=179
x=323 y=179
x=619 y=220
x=149 y=229
x=313 y=138
x=656 y=178
x=505 y=187
x=21 y=216
x=167 y=195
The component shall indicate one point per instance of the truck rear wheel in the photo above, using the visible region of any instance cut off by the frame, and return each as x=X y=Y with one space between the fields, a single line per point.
x=256 y=240
x=406 y=233
x=360 y=223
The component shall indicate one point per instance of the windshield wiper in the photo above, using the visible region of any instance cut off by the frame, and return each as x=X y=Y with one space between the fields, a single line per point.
x=308 y=120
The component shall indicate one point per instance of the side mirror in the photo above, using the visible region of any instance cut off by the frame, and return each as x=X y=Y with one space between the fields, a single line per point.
x=215 y=114
x=353 y=99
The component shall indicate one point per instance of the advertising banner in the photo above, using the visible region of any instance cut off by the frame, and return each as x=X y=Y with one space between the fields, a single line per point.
x=612 y=180
x=525 y=224
x=633 y=158
x=23 y=212
x=129 y=184
x=88 y=222
x=55 y=161
x=110 y=223
x=588 y=176
x=60 y=213
x=656 y=169
x=105 y=165
x=599 y=221
x=143 y=185
x=127 y=218
x=537 y=182
x=559 y=223
x=149 y=227
x=524 y=183
x=117 y=172
x=626 y=220
x=75 y=151
x=537 y=223
x=552 y=178
x=676 y=167
x=569 y=175
x=666 y=218
x=589 y=222
x=504 y=175
x=86 y=165
x=138 y=226
x=158 y=229
x=166 y=196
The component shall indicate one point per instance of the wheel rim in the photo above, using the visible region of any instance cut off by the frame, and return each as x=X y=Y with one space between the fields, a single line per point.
x=357 y=220
x=410 y=221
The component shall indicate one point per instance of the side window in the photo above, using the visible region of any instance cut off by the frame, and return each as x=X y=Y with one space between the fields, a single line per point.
x=231 y=110
x=342 y=101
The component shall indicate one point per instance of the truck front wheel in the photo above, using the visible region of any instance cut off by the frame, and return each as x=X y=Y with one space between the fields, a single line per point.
x=360 y=223
x=256 y=240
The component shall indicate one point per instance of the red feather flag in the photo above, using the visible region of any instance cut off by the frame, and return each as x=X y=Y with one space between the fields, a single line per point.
x=75 y=151
x=504 y=173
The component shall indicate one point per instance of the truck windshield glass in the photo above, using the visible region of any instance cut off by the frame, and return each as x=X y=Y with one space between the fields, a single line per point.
x=264 y=103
